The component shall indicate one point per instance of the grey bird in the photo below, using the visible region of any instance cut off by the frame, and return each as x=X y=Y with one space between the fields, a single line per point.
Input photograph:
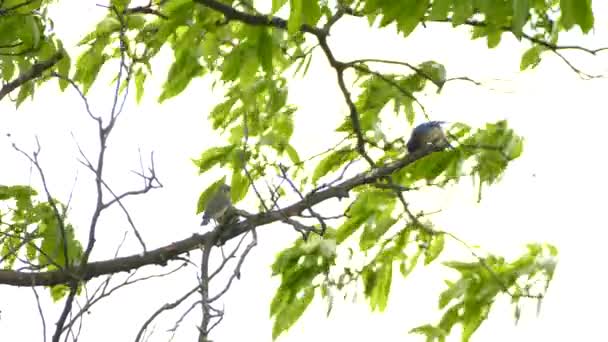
x=427 y=133
x=217 y=205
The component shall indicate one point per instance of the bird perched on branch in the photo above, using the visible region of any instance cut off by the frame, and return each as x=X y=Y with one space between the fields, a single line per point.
x=427 y=133
x=217 y=205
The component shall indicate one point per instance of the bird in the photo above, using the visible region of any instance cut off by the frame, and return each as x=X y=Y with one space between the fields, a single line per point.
x=427 y=133
x=217 y=205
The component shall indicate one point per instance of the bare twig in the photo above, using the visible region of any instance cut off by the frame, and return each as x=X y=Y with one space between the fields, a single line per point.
x=237 y=270
x=166 y=307
x=41 y=313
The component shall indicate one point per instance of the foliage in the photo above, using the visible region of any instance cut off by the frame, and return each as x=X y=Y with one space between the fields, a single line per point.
x=37 y=232
x=251 y=55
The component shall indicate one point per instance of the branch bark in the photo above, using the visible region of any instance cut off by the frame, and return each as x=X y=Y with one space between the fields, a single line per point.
x=34 y=72
x=162 y=255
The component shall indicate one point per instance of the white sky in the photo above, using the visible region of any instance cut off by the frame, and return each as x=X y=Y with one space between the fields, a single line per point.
x=553 y=193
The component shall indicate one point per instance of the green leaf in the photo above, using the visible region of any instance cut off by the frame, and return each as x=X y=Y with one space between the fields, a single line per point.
x=239 y=186
x=515 y=148
x=291 y=313
x=435 y=71
x=349 y=227
x=276 y=5
x=311 y=12
x=577 y=12
x=440 y=9
x=332 y=162
x=455 y=290
x=435 y=248
x=521 y=10
x=265 y=47
x=411 y=14
x=471 y=324
x=120 y=5
x=63 y=68
x=374 y=230
x=107 y=25
x=186 y=65
x=407 y=265
x=531 y=57
x=140 y=78
x=463 y=10
x=494 y=38
x=30 y=33
x=90 y=62
x=296 y=18
x=292 y=154
x=377 y=284
x=249 y=67
x=8 y=68
x=213 y=156
x=432 y=333
x=232 y=65
x=135 y=22
x=58 y=292
x=462 y=267
x=27 y=89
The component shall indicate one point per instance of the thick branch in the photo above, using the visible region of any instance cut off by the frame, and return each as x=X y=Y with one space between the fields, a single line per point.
x=254 y=19
x=160 y=256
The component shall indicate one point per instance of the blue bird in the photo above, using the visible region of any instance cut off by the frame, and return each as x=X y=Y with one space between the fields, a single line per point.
x=427 y=133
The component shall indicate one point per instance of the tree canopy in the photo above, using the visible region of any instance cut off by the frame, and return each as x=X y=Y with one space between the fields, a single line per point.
x=251 y=50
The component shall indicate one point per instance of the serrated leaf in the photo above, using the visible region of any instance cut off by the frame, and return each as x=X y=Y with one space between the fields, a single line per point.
x=58 y=292
x=377 y=281
x=521 y=10
x=89 y=63
x=463 y=10
x=291 y=313
x=8 y=68
x=213 y=156
x=440 y=9
x=577 y=12
x=184 y=69
x=411 y=15
x=107 y=25
x=27 y=89
x=140 y=78
x=530 y=58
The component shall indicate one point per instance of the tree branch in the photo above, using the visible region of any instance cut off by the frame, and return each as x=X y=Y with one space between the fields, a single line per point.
x=161 y=255
x=35 y=71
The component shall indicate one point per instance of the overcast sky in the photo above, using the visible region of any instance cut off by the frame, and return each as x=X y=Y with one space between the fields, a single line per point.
x=554 y=193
